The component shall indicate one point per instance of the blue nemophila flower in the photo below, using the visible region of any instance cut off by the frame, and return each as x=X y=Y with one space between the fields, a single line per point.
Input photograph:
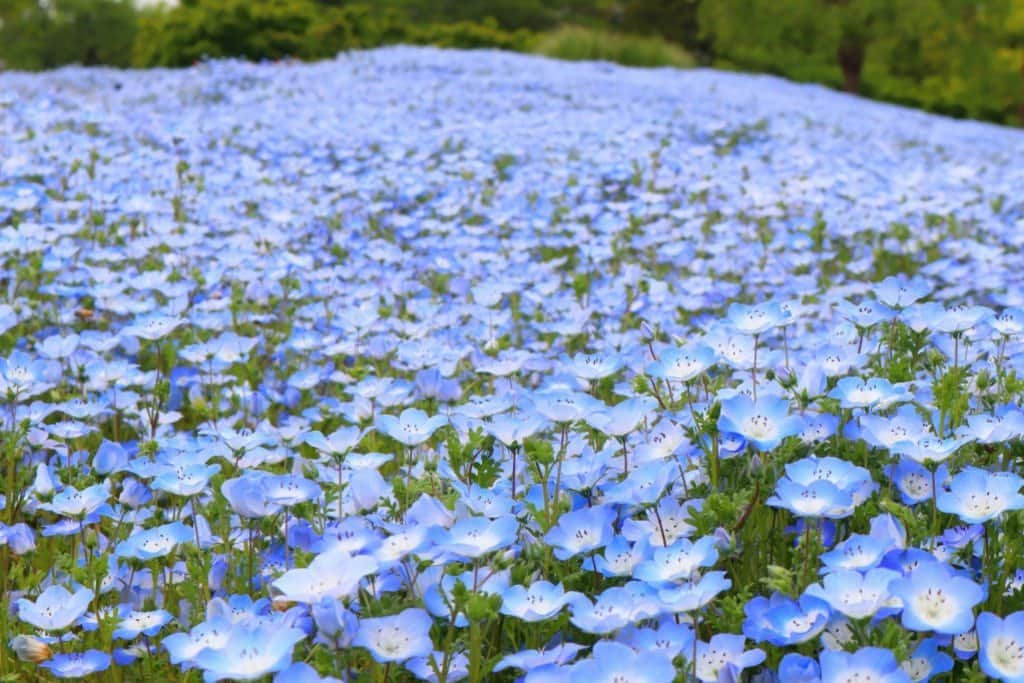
x=411 y=428
x=476 y=536
x=251 y=651
x=764 y=423
x=927 y=661
x=152 y=327
x=23 y=375
x=423 y=667
x=678 y=561
x=156 y=542
x=645 y=485
x=818 y=427
x=936 y=598
x=818 y=499
x=563 y=407
x=622 y=418
x=401 y=542
x=781 y=621
x=494 y=502
x=663 y=440
x=857 y=551
x=183 y=647
x=977 y=496
x=337 y=443
x=929 y=449
x=1008 y=323
x=430 y=383
x=866 y=664
x=438 y=597
x=682 y=364
x=1007 y=422
x=57 y=347
x=899 y=291
x=610 y=661
x=914 y=481
x=55 y=609
x=396 y=638
x=185 y=481
x=479 y=407
x=554 y=657
x=866 y=314
x=19 y=537
x=137 y=623
x=965 y=645
x=1001 y=646
x=621 y=557
x=514 y=428
x=594 y=366
x=886 y=431
x=844 y=475
x=581 y=531
x=960 y=318
x=854 y=594
x=300 y=672
x=71 y=502
x=110 y=457
x=287 y=490
x=693 y=595
x=756 y=319
x=876 y=393
x=666 y=637
x=540 y=601
x=43 y=484
x=615 y=608
x=797 y=668
x=134 y=493
x=331 y=574
x=336 y=625
x=725 y=652
x=961 y=535
x=77 y=665
x=248 y=496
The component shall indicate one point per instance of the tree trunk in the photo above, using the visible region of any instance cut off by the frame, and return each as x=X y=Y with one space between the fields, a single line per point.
x=850 y=56
x=1020 y=106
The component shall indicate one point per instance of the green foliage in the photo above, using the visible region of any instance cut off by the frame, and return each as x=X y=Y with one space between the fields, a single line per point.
x=674 y=20
x=469 y=35
x=579 y=43
x=253 y=29
x=513 y=15
x=277 y=29
x=956 y=57
x=352 y=27
x=87 y=32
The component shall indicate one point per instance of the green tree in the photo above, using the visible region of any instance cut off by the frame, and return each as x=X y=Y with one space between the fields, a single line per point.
x=87 y=32
x=674 y=20
x=196 y=29
x=795 y=38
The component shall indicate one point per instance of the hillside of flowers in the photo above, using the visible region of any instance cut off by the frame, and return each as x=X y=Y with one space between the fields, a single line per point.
x=437 y=365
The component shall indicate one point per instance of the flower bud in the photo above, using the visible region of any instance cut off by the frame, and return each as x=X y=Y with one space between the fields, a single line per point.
x=30 y=649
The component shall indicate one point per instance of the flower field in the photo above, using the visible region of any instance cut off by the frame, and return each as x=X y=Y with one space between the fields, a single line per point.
x=435 y=365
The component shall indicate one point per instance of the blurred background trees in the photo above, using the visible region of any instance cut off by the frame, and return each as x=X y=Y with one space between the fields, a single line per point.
x=37 y=35
x=959 y=57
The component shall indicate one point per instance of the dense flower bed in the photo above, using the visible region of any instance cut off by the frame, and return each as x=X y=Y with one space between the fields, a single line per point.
x=441 y=365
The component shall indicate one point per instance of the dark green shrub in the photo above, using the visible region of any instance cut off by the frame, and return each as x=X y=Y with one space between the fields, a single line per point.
x=579 y=43
x=469 y=35
x=87 y=32
x=252 y=29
